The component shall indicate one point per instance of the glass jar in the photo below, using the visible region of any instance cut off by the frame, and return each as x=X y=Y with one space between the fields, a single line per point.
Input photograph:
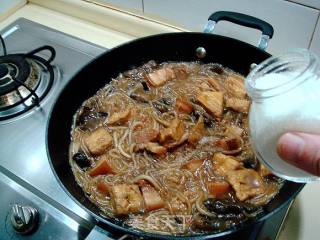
x=285 y=93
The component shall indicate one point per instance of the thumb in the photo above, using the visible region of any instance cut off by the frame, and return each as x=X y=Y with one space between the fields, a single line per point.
x=301 y=150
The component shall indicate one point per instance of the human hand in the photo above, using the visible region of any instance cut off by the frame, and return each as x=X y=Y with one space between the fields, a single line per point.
x=301 y=150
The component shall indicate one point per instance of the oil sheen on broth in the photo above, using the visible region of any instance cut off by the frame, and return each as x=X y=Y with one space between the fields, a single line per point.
x=164 y=148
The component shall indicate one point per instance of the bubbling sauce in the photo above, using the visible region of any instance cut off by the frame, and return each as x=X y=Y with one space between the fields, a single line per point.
x=164 y=147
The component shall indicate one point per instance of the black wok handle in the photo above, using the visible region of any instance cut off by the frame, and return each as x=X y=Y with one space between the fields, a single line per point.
x=243 y=20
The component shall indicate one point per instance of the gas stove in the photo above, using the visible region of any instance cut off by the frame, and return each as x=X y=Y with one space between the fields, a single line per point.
x=25 y=79
x=38 y=64
x=40 y=61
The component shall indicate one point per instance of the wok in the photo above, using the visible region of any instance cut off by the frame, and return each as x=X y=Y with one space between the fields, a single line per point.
x=204 y=47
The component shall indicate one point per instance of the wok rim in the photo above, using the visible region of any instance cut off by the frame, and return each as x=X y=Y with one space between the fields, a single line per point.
x=128 y=229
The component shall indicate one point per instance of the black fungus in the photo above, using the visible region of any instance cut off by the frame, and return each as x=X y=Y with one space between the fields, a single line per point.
x=149 y=66
x=208 y=121
x=160 y=107
x=208 y=69
x=135 y=74
x=222 y=206
x=195 y=115
x=131 y=73
x=209 y=224
x=145 y=86
x=250 y=162
x=219 y=222
x=226 y=208
x=81 y=160
x=163 y=104
x=138 y=74
x=193 y=100
x=178 y=220
x=166 y=101
x=250 y=208
x=102 y=114
x=87 y=114
x=232 y=216
x=216 y=68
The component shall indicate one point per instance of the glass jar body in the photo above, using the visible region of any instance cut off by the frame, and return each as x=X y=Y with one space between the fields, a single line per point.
x=292 y=105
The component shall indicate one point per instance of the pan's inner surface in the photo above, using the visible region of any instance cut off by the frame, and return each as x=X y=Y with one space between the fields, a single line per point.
x=168 y=47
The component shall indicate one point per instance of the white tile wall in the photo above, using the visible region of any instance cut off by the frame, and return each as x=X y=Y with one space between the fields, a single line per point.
x=9 y=6
x=293 y=23
x=311 y=3
x=315 y=43
x=125 y=4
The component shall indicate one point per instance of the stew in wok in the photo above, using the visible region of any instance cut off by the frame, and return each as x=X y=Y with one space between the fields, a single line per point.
x=164 y=147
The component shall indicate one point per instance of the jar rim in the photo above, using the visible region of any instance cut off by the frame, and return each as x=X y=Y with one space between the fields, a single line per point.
x=276 y=63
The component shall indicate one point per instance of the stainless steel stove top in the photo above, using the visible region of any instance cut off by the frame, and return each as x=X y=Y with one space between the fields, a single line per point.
x=26 y=180
x=22 y=139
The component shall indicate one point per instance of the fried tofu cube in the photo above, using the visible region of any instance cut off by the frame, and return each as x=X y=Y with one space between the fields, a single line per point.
x=234 y=131
x=173 y=132
x=197 y=132
x=212 y=102
x=156 y=148
x=204 y=86
x=98 y=141
x=247 y=183
x=239 y=105
x=223 y=164
x=215 y=84
x=126 y=199
x=160 y=77
x=234 y=85
x=151 y=147
x=120 y=117
x=152 y=198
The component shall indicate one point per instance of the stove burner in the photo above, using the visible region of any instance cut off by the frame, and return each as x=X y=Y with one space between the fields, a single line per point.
x=3 y=71
x=17 y=68
x=25 y=79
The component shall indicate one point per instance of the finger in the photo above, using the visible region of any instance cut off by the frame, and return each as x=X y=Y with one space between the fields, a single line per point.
x=301 y=150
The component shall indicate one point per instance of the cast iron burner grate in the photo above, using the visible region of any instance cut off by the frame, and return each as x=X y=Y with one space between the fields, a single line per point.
x=25 y=79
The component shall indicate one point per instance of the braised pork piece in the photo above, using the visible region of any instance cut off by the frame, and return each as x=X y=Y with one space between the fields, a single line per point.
x=164 y=147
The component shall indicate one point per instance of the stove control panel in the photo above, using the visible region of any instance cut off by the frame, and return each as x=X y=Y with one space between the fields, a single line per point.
x=24 y=215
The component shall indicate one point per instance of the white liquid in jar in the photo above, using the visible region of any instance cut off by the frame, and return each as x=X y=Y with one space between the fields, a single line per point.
x=294 y=110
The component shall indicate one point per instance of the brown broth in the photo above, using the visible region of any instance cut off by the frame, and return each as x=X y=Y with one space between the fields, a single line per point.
x=182 y=190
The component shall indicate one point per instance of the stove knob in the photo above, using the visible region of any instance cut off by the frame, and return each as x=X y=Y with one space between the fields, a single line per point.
x=24 y=219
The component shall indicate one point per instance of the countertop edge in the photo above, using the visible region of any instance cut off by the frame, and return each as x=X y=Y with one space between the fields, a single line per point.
x=107 y=16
